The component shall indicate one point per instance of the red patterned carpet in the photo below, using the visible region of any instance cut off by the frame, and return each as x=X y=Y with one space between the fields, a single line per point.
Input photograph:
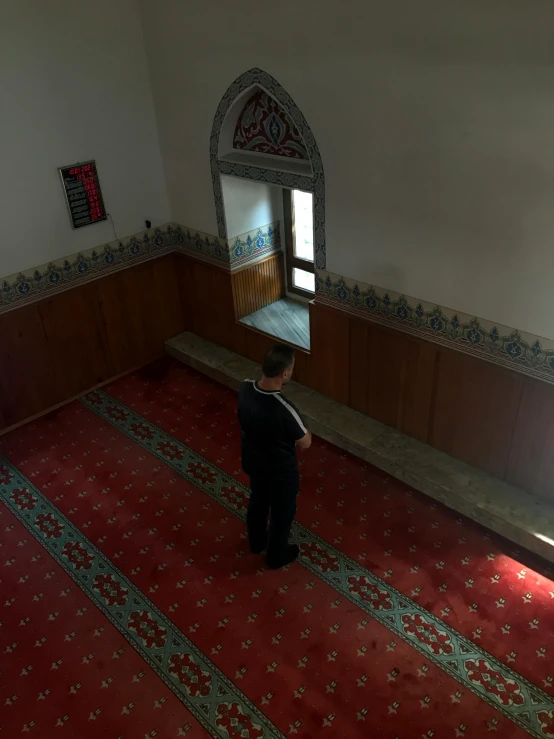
x=130 y=606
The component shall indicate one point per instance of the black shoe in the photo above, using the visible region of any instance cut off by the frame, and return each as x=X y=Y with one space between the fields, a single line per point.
x=259 y=546
x=293 y=550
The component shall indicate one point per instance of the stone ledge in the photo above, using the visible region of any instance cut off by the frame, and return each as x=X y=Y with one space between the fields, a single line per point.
x=522 y=518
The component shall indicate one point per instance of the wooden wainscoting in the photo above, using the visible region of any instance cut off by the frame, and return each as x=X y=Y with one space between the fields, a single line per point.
x=491 y=417
x=494 y=419
x=60 y=347
x=531 y=459
x=207 y=300
x=258 y=285
x=253 y=345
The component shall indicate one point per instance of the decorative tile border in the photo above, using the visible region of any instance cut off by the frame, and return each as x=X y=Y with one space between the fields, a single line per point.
x=203 y=246
x=517 y=350
x=522 y=352
x=478 y=671
x=67 y=272
x=250 y=246
x=215 y=701
x=315 y=184
x=269 y=176
x=64 y=273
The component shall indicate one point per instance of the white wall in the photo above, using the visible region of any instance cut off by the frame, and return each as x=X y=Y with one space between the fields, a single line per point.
x=435 y=121
x=75 y=86
x=249 y=205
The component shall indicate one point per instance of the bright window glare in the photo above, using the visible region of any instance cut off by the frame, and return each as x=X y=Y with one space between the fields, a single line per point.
x=303 y=225
x=304 y=280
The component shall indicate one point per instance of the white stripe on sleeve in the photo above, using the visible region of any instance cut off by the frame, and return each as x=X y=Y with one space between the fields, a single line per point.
x=292 y=411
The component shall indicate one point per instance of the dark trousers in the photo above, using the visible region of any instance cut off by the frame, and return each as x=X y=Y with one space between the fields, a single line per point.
x=275 y=498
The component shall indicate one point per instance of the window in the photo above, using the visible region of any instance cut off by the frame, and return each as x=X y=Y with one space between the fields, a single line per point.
x=299 y=239
x=303 y=280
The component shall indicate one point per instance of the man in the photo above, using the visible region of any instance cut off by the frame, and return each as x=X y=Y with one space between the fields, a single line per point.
x=271 y=429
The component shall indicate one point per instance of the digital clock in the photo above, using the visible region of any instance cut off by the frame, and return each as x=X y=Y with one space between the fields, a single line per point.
x=83 y=194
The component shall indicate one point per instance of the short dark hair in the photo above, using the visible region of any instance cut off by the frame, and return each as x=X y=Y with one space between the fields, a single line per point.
x=277 y=359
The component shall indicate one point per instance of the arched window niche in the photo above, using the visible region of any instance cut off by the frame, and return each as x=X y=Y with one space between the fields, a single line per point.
x=269 y=192
x=291 y=158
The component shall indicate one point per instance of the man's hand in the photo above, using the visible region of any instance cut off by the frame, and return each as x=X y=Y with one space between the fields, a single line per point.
x=305 y=442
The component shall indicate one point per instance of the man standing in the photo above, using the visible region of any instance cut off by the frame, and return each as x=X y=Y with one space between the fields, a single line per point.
x=271 y=429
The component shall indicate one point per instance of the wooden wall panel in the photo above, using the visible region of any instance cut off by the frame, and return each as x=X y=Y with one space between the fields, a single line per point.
x=386 y=375
x=391 y=377
x=76 y=338
x=258 y=285
x=420 y=378
x=60 y=347
x=28 y=379
x=531 y=464
x=475 y=411
x=358 y=365
x=302 y=367
x=207 y=300
x=257 y=344
x=330 y=350
x=140 y=309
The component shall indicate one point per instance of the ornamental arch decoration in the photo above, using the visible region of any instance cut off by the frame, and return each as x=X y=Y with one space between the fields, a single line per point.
x=302 y=172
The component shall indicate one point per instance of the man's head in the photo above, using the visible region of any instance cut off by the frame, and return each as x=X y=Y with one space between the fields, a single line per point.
x=278 y=363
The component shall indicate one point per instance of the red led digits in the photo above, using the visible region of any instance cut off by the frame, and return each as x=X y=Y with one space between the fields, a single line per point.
x=91 y=188
x=85 y=189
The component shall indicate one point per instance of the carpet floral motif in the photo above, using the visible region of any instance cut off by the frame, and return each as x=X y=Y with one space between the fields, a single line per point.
x=359 y=637
x=197 y=682
x=113 y=593
x=146 y=626
x=506 y=690
x=378 y=598
x=189 y=673
x=232 y=719
x=472 y=667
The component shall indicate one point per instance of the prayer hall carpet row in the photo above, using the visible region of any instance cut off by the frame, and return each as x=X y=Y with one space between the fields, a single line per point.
x=131 y=607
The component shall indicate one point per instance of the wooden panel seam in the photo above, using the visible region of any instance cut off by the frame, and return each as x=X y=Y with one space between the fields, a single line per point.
x=257 y=285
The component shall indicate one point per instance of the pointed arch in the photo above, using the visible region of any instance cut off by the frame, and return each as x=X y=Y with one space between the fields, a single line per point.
x=314 y=182
x=264 y=127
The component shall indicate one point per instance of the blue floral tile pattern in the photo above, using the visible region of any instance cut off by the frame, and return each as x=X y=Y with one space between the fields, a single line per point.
x=255 y=244
x=203 y=246
x=524 y=353
x=41 y=282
